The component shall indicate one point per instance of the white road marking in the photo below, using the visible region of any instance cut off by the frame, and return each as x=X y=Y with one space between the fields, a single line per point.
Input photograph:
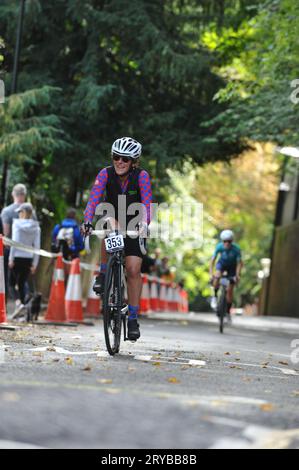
x=170 y=360
x=146 y=358
x=234 y=400
x=281 y=369
x=17 y=445
x=143 y=358
x=64 y=351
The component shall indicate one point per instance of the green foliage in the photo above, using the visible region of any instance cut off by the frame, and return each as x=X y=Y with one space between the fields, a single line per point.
x=259 y=74
x=240 y=196
x=124 y=68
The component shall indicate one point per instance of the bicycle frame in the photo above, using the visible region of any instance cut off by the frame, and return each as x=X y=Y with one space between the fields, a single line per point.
x=114 y=310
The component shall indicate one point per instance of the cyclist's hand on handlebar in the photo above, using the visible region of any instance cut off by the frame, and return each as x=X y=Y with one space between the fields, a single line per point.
x=86 y=229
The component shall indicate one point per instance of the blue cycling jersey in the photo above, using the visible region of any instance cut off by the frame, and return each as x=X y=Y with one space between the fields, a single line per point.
x=228 y=257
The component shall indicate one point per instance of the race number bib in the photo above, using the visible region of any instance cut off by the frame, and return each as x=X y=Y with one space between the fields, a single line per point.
x=114 y=243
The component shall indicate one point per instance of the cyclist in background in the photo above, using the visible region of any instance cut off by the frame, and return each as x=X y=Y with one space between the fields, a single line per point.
x=123 y=177
x=227 y=257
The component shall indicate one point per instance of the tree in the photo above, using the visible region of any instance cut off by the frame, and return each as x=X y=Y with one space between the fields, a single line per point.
x=260 y=77
x=124 y=68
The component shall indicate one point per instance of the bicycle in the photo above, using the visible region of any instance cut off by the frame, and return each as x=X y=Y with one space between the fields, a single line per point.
x=115 y=310
x=225 y=280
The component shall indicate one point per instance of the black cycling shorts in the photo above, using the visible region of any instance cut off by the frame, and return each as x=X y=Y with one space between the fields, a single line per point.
x=132 y=247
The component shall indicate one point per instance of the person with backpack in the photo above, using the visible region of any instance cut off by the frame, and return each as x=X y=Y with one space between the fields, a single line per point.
x=66 y=237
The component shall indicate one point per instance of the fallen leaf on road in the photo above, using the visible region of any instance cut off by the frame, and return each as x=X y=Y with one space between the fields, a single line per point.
x=246 y=379
x=295 y=393
x=264 y=363
x=51 y=349
x=283 y=363
x=131 y=369
x=157 y=356
x=87 y=368
x=10 y=396
x=104 y=381
x=157 y=364
x=227 y=353
x=37 y=354
x=173 y=380
x=184 y=322
x=56 y=360
x=69 y=361
x=237 y=359
x=267 y=407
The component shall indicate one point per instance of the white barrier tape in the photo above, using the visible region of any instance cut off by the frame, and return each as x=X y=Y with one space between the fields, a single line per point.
x=29 y=249
x=89 y=267
x=47 y=254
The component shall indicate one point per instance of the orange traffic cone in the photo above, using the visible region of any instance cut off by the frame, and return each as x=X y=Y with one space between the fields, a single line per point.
x=178 y=298
x=184 y=307
x=93 y=306
x=169 y=297
x=154 y=299
x=56 y=307
x=162 y=296
x=3 y=318
x=73 y=296
x=145 y=295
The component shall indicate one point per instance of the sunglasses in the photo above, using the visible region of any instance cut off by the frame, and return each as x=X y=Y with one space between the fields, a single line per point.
x=117 y=158
x=227 y=241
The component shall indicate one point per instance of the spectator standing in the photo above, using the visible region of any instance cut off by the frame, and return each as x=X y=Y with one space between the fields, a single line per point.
x=164 y=269
x=25 y=230
x=8 y=214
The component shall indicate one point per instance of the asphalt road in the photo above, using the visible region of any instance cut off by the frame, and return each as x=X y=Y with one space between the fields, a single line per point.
x=182 y=385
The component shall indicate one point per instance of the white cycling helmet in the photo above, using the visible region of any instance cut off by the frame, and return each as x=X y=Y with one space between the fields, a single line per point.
x=126 y=146
x=227 y=235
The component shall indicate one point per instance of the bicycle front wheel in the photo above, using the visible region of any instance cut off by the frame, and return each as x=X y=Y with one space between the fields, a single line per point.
x=112 y=307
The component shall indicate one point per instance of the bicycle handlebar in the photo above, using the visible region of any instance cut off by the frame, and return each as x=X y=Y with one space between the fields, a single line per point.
x=103 y=233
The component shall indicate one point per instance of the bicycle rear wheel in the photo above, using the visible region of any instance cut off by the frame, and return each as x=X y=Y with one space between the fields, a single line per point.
x=112 y=307
x=221 y=308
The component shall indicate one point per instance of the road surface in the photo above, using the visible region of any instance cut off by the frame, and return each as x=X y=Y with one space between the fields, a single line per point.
x=182 y=385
